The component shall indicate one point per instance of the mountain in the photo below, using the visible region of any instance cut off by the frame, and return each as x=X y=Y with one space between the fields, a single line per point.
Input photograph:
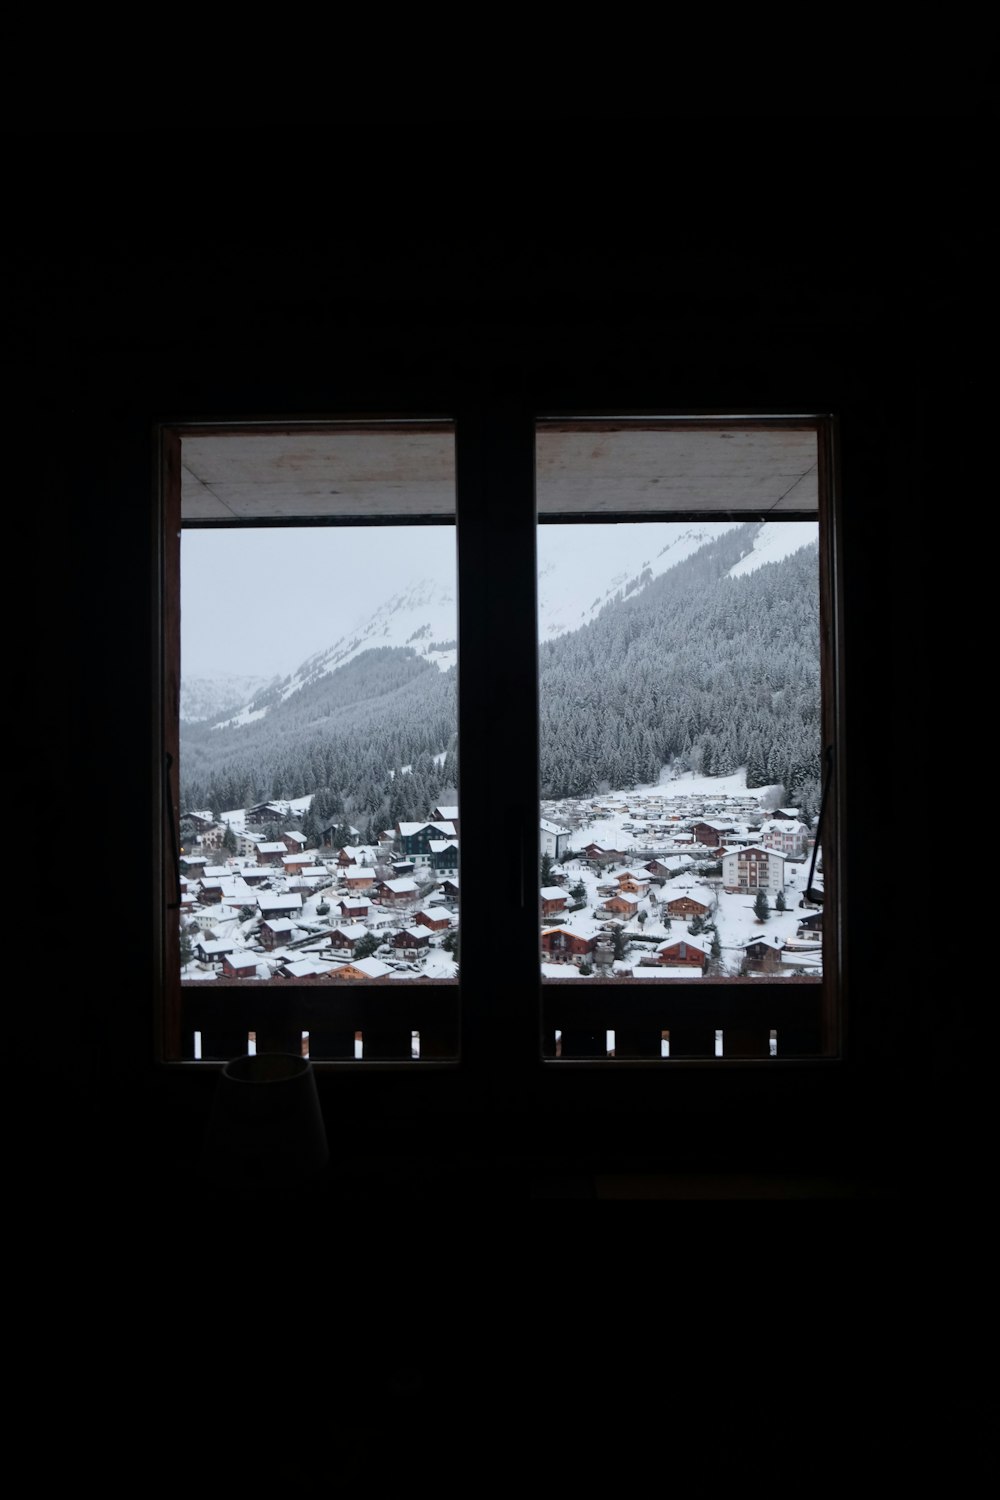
x=659 y=642
x=212 y=697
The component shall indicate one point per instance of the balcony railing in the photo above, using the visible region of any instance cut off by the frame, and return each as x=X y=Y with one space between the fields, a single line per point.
x=418 y=1021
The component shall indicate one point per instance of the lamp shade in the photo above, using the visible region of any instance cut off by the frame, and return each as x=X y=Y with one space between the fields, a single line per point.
x=266 y=1132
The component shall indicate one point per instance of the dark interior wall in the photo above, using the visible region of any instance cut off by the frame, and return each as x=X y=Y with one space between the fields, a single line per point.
x=170 y=283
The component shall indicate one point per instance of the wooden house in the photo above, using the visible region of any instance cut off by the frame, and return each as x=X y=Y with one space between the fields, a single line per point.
x=240 y=965
x=344 y=937
x=686 y=905
x=763 y=954
x=353 y=908
x=623 y=904
x=682 y=953
x=276 y=931
x=553 y=899
x=410 y=939
x=559 y=945
x=434 y=921
x=396 y=892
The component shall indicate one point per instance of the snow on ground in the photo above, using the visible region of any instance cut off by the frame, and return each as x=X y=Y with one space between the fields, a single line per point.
x=619 y=821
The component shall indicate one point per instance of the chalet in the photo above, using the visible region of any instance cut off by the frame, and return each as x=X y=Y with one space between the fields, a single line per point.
x=415 y=838
x=294 y=840
x=711 y=835
x=623 y=903
x=601 y=856
x=753 y=869
x=763 y=955
x=193 y=864
x=358 y=878
x=357 y=854
x=449 y=889
x=210 y=892
x=361 y=968
x=353 y=908
x=270 y=853
x=631 y=880
x=435 y=921
x=306 y=968
x=275 y=931
x=213 y=949
x=411 y=938
x=659 y=869
x=344 y=937
x=554 y=838
x=240 y=965
x=266 y=812
x=254 y=874
x=402 y=868
x=553 y=899
x=271 y=905
x=293 y=864
x=787 y=835
x=559 y=945
x=201 y=822
x=810 y=926
x=444 y=856
x=685 y=904
x=446 y=815
x=396 y=892
x=682 y=953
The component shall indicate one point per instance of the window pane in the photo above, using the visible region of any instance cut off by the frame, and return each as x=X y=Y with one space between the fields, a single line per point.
x=681 y=716
x=317 y=745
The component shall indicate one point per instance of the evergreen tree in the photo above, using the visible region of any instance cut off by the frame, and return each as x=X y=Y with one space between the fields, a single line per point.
x=617 y=943
x=366 y=945
x=761 y=906
x=229 y=840
x=780 y=902
x=546 y=869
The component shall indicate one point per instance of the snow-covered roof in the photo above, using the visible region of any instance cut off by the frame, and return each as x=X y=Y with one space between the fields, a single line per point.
x=272 y=848
x=407 y=830
x=351 y=930
x=400 y=887
x=553 y=893
x=373 y=967
x=306 y=968
x=548 y=827
x=437 y=845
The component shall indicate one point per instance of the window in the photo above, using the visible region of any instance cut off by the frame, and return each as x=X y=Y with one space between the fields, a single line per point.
x=501 y=1021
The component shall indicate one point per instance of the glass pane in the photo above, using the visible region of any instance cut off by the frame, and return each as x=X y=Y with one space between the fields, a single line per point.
x=318 y=734
x=680 y=735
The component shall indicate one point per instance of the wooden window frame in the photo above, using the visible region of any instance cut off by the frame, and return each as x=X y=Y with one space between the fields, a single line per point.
x=504 y=1062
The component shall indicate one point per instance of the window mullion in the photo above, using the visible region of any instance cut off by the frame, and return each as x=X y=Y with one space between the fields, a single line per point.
x=498 y=741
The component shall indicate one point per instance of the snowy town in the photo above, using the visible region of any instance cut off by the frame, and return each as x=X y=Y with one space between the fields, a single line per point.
x=692 y=877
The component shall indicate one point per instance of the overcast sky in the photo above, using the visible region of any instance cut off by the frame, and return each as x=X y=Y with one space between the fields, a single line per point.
x=259 y=601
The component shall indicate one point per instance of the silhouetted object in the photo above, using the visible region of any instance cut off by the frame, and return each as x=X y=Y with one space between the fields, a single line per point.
x=266 y=1137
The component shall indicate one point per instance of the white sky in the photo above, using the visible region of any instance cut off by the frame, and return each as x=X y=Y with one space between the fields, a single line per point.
x=259 y=601
x=321 y=582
